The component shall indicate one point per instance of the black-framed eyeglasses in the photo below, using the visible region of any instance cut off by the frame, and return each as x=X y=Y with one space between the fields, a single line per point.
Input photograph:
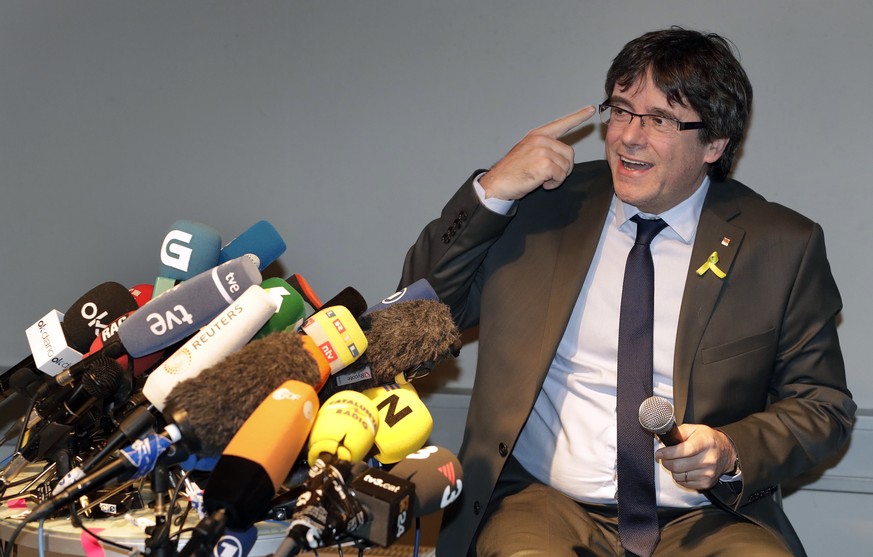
x=621 y=117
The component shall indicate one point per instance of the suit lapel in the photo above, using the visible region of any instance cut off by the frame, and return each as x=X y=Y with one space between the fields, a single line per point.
x=714 y=235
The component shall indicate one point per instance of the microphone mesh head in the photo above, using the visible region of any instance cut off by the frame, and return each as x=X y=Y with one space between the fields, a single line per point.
x=103 y=377
x=656 y=415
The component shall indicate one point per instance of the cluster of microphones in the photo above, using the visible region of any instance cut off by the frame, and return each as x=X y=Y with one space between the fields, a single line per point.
x=281 y=406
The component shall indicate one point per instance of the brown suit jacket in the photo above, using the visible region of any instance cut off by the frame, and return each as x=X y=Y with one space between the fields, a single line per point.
x=757 y=353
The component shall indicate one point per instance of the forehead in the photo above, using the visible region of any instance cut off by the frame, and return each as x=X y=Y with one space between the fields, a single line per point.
x=644 y=96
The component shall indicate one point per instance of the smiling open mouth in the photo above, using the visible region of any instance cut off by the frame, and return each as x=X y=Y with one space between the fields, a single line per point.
x=635 y=165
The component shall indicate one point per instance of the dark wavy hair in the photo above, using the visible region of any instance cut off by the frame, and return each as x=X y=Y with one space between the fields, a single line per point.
x=692 y=69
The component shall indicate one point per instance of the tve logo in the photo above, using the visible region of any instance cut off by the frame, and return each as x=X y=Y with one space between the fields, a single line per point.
x=176 y=250
x=160 y=324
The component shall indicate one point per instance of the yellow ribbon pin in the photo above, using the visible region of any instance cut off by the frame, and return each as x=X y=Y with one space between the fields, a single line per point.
x=711 y=266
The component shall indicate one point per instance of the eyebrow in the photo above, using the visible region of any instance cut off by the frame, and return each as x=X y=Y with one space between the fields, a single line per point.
x=654 y=111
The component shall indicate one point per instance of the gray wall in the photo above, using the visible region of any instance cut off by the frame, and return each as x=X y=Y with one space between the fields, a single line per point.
x=347 y=124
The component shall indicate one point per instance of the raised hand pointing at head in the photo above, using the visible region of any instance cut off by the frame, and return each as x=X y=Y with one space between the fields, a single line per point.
x=539 y=159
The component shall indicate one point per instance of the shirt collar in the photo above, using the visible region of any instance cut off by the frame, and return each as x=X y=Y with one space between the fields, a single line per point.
x=682 y=218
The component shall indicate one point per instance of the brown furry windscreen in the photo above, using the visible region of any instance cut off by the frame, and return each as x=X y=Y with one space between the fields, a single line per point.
x=407 y=334
x=222 y=397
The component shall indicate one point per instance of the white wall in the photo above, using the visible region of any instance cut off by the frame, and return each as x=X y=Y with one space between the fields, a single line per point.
x=347 y=124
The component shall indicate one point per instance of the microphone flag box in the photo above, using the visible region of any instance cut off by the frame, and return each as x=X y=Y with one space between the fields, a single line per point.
x=48 y=345
x=388 y=500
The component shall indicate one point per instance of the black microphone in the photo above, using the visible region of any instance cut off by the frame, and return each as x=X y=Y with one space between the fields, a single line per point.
x=103 y=378
x=350 y=299
x=59 y=340
x=657 y=417
x=425 y=482
x=325 y=510
x=135 y=461
x=57 y=414
x=92 y=313
x=22 y=379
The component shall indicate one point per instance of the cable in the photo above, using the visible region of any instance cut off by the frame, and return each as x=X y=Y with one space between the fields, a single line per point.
x=7 y=552
x=173 y=502
x=20 y=442
x=76 y=521
x=40 y=543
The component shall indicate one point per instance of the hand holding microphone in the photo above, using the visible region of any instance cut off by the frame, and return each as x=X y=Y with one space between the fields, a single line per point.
x=698 y=456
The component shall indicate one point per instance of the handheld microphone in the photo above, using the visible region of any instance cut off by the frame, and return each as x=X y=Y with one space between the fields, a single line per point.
x=345 y=428
x=404 y=422
x=188 y=249
x=134 y=461
x=300 y=284
x=235 y=543
x=350 y=299
x=185 y=308
x=405 y=341
x=23 y=379
x=104 y=377
x=93 y=311
x=418 y=290
x=260 y=242
x=172 y=317
x=255 y=463
x=229 y=331
x=51 y=351
x=424 y=482
x=59 y=340
x=241 y=381
x=437 y=475
x=337 y=334
x=324 y=511
x=291 y=307
x=657 y=417
x=142 y=293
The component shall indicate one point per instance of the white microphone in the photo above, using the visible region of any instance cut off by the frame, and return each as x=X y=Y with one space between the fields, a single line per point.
x=225 y=334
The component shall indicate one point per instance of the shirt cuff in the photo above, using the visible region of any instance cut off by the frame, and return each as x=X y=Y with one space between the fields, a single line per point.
x=499 y=206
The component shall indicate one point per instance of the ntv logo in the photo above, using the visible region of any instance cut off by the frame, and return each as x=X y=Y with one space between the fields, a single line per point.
x=176 y=250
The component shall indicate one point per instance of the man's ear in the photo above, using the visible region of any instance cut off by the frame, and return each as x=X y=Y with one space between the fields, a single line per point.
x=715 y=148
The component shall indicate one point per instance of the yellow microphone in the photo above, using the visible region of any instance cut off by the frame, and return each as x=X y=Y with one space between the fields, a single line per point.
x=405 y=423
x=345 y=427
x=337 y=334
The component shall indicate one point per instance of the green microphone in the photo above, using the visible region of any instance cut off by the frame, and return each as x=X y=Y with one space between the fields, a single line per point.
x=292 y=309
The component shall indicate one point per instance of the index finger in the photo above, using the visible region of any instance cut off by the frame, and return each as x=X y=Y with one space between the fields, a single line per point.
x=559 y=127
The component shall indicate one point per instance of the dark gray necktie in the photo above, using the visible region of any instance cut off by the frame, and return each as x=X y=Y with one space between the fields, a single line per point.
x=637 y=511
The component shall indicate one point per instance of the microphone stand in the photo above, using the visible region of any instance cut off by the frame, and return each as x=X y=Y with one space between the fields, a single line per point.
x=159 y=543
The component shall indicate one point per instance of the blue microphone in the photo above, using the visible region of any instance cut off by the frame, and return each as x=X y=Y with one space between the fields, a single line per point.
x=418 y=290
x=188 y=249
x=261 y=242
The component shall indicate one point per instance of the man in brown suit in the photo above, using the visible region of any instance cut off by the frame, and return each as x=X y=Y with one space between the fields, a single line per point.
x=533 y=251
